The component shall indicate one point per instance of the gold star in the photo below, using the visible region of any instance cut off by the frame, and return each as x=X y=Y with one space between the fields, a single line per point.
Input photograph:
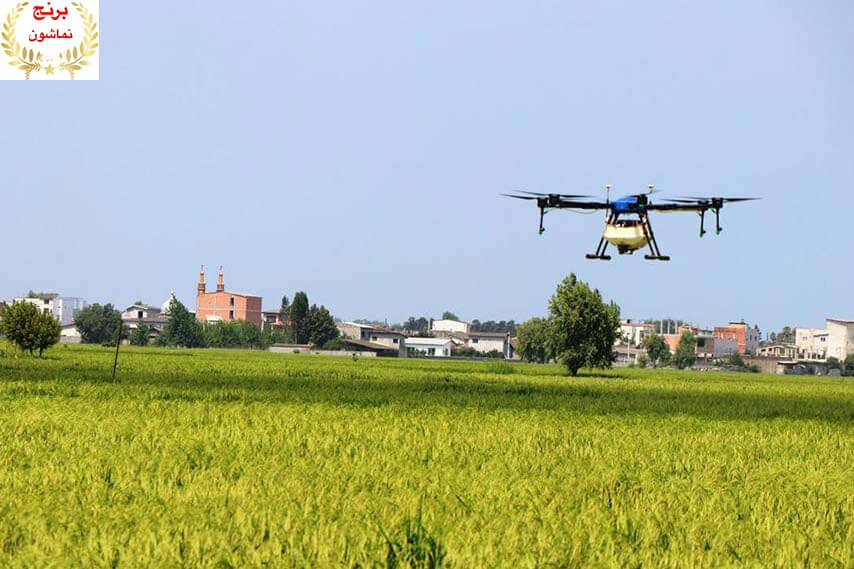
x=49 y=69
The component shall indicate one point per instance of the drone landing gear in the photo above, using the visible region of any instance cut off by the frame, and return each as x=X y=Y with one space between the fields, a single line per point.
x=653 y=244
x=600 y=249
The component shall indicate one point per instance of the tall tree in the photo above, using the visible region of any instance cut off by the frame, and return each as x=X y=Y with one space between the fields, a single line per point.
x=182 y=329
x=685 y=354
x=533 y=338
x=28 y=327
x=321 y=326
x=139 y=337
x=98 y=324
x=582 y=327
x=299 y=318
x=285 y=310
x=656 y=349
x=448 y=315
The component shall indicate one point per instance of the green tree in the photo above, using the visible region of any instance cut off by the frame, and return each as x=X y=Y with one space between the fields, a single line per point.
x=582 y=327
x=786 y=336
x=448 y=315
x=657 y=350
x=643 y=360
x=737 y=361
x=299 y=318
x=139 y=337
x=321 y=326
x=533 y=337
x=182 y=329
x=98 y=324
x=29 y=328
x=848 y=368
x=685 y=354
x=285 y=310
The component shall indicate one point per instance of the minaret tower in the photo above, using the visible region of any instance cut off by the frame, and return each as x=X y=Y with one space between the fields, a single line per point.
x=220 y=286
x=202 y=288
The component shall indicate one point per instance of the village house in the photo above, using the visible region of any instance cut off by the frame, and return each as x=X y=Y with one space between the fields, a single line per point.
x=226 y=306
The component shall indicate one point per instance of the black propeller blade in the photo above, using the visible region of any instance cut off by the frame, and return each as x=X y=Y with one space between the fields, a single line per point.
x=520 y=197
x=547 y=195
x=689 y=199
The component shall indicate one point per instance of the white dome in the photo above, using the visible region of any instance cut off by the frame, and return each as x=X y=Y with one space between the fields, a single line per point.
x=167 y=306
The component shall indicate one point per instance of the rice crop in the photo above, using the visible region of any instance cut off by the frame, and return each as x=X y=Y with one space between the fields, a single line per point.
x=218 y=459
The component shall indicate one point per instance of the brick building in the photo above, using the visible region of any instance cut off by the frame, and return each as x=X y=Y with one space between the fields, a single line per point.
x=224 y=305
x=745 y=336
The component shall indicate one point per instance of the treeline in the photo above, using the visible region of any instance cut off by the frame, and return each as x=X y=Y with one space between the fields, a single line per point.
x=422 y=324
x=99 y=324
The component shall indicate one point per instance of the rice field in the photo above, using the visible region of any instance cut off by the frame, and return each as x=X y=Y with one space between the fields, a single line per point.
x=226 y=459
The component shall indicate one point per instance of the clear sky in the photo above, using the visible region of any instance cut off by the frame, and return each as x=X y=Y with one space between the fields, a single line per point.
x=356 y=151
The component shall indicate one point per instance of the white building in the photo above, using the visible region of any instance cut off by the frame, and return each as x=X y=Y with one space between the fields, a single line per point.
x=43 y=303
x=66 y=308
x=840 y=338
x=634 y=333
x=68 y=334
x=354 y=330
x=834 y=341
x=438 y=347
x=450 y=326
x=140 y=312
x=63 y=308
x=811 y=343
x=485 y=342
x=381 y=336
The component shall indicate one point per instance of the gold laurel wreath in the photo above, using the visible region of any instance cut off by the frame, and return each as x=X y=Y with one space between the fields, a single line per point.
x=28 y=61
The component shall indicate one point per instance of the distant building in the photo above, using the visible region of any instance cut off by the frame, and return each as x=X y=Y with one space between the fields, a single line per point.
x=450 y=326
x=66 y=308
x=63 y=308
x=68 y=334
x=485 y=342
x=840 y=341
x=273 y=319
x=43 y=303
x=709 y=344
x=779 y=351
x=811 y=343
x=834 y=341
x=634 y=333
x=152 y=316
x=225 y=305
x=745 y=336
x=379 y=336
x=438 y=347
x=354 y=330
x=140 y=311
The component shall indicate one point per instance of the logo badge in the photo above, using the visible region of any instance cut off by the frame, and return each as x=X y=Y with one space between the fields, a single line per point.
x=49 y=40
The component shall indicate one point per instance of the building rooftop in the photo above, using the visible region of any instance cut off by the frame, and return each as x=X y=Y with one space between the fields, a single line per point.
x=427 y=341
x=841 y=320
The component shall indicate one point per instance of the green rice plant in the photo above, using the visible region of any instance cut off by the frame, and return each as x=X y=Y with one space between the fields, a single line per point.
x=228 y=458
x=499 y=368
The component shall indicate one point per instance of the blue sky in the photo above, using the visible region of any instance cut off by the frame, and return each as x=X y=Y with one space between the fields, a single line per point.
x=356 y=151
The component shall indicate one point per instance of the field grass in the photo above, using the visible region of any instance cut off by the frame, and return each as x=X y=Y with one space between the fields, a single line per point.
x=241 y=459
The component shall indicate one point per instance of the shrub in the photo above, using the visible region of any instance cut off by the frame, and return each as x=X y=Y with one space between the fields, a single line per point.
x=29 y=328
x=643 y=360
x=139 y=337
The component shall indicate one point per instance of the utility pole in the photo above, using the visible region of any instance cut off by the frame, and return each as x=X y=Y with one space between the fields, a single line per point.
x=118 y=342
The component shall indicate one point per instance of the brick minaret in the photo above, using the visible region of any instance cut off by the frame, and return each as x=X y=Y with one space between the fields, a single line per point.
x=220 y=286
x=202 y=288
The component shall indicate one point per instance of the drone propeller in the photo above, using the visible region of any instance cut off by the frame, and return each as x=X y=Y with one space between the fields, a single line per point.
x=569 y=196
x=692 y=199
x=520 y=197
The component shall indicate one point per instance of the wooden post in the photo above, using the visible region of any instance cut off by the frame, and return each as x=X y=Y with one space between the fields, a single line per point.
x=118 y=342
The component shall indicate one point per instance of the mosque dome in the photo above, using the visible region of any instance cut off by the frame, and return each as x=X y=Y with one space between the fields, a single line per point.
x=167 y=306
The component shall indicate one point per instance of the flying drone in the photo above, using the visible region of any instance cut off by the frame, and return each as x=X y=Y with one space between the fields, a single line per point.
x=622 y=230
